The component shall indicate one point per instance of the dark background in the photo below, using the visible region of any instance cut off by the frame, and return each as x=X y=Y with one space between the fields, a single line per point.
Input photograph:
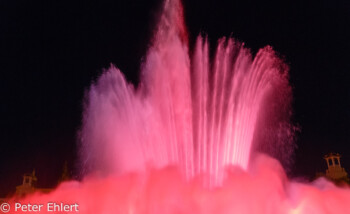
x=51 y=50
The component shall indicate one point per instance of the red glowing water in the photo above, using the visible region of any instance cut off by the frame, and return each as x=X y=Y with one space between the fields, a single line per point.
x=264 y=188
x=187 y=139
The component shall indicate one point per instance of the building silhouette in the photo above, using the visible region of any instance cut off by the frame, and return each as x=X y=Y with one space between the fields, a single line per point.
x=335 y=171
x=28 y=185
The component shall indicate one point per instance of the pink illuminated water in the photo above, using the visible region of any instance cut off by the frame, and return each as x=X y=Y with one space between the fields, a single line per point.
x=198 y=114
x=189 y=138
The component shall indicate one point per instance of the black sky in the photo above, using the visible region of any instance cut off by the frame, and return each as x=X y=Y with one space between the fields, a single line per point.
x=50 y=51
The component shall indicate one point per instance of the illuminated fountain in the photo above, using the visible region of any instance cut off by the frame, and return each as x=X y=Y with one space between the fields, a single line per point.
x=189 y=138
x=198 y=114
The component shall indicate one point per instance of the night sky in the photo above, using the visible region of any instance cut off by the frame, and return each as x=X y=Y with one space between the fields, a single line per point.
x=51 y=51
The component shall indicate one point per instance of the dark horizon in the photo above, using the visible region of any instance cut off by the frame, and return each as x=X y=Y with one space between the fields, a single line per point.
x=52 y=51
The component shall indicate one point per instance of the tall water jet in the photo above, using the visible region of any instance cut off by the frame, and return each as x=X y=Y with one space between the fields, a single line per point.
x=198 y=114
